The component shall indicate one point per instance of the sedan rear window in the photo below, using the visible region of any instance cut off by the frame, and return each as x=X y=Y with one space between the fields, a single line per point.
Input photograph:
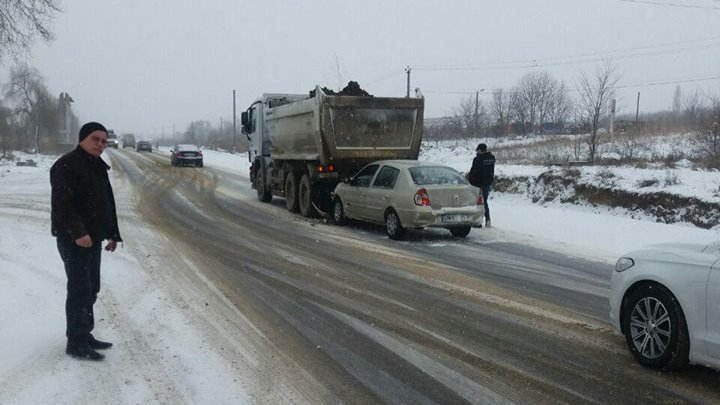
x=425 y=175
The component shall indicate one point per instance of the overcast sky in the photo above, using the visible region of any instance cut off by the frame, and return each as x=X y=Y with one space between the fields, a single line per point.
x=143 y=66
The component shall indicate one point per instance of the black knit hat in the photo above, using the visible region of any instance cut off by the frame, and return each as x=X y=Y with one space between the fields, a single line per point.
x=89 y=128
x=481 y=147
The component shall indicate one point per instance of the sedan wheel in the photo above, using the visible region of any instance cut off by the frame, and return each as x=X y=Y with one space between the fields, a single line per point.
x=338 y=212
x=393 y=227
x=655 y=328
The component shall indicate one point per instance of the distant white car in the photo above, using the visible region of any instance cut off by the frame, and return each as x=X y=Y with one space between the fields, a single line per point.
x=665 y=299
x=409 y=194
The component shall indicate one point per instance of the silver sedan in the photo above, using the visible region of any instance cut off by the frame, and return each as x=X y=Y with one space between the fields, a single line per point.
x=409 y=194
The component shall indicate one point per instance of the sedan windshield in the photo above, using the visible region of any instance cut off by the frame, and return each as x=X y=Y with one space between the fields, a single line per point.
x=425 y=175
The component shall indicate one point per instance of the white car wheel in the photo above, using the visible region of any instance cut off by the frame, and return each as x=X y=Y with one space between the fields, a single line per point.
x=655 y=328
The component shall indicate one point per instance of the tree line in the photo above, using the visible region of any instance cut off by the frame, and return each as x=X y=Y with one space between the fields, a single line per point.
x=542 y=104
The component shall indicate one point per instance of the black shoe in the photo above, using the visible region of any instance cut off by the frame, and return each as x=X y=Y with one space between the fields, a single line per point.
x=83 y=352
x=98 y=344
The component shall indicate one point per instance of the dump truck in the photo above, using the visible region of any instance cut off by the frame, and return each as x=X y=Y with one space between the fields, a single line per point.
x=301 y=146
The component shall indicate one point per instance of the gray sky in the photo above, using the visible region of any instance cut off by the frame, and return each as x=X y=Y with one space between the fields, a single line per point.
x=143 y=66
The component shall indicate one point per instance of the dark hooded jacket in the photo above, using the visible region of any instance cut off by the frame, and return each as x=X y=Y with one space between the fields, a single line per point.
x=482 y=172
x=82 y=198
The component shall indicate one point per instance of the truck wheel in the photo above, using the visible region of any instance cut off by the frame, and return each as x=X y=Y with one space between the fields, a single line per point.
x=305 y=197
x=263 y=192
x=291 y=192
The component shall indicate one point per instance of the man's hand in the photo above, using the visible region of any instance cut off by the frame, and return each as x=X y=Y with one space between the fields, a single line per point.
x=84 y=241
x=111 y=245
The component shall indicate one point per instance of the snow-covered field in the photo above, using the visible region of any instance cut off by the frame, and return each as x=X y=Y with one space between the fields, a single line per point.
x=34 y=368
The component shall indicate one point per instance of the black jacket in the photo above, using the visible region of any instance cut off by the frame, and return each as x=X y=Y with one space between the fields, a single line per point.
x=482 y=172
x=82 y=199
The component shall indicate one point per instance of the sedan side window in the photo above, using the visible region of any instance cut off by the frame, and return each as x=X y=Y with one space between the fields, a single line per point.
x=363 y=178
x=386 y=178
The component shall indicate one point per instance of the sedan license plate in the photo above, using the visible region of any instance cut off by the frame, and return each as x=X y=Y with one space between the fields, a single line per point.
x=453 y=218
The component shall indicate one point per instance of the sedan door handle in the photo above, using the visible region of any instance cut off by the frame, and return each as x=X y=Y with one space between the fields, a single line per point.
x=387 y=197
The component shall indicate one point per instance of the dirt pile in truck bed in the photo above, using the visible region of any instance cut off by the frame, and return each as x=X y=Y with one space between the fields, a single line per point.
x=352 y=89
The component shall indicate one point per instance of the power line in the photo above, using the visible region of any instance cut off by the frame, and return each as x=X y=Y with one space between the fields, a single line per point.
x=657 y=3
x=661 y=82
x=652 y=50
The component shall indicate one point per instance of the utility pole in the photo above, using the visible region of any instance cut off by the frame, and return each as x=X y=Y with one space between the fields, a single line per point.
x=637 y=109
x=408 y=70
x=234 y=124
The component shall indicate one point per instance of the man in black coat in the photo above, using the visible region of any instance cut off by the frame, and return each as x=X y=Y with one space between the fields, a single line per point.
x=482 y=174
x=83 y=216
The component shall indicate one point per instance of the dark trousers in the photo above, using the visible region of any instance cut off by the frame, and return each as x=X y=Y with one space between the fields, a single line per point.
x=486 y=193
x=82 y=267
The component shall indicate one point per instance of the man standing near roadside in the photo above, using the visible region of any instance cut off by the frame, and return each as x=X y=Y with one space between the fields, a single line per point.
x=83 y=215
x=482 y=174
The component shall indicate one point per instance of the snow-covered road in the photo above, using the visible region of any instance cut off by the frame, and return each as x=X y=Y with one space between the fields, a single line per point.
x=183 y=338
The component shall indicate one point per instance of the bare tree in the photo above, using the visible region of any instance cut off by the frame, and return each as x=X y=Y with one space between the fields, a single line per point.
x=536 y=89
x=470 y=116
x=707 y=140
x=677 y=101
x=520 y=110
x=23 y=20
x=6 y=131
x=560 y=105
x=501 y=110
x=693 y=104
x=594 y=93
x=26 y=90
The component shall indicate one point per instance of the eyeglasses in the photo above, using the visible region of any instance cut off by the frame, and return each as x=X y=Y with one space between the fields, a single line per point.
x=99 y=140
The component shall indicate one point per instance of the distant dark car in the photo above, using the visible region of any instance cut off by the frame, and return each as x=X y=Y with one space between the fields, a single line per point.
x=143 y=146
x=186 y=155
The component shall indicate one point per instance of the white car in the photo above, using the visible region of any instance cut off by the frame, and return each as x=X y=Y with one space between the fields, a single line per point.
x=665 y=299
x=410 y=194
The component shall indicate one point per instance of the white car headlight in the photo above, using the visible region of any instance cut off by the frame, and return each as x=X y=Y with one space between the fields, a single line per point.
x=624 y=263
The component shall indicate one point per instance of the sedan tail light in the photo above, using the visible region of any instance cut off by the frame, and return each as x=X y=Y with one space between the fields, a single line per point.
x=421 y=198
x=480 y=199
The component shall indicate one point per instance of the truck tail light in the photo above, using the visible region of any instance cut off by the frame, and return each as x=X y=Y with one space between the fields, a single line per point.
x=329 y=168
x=421 y=198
